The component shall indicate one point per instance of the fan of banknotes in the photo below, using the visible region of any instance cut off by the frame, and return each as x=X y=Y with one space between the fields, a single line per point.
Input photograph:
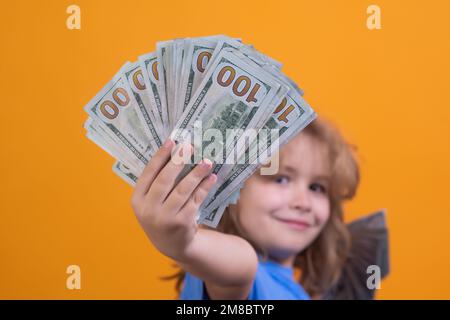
x=231 y=102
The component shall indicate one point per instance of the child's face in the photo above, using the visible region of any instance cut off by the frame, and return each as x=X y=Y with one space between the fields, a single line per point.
x=284 y=213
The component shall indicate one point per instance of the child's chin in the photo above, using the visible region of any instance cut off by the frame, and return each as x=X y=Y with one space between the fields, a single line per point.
x=288 y=249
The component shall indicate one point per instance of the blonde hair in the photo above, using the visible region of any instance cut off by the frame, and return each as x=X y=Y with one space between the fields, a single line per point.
x=321 y=262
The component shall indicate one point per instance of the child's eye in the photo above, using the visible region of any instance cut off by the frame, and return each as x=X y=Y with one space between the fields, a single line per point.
x=318 y=188
x=281 y=179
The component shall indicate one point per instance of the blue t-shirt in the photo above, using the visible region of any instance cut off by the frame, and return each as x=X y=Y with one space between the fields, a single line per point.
x=273 y=281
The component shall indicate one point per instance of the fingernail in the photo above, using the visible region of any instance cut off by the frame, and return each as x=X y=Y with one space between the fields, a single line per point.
x=168 y=144
x=206 y=163
x=186 y=147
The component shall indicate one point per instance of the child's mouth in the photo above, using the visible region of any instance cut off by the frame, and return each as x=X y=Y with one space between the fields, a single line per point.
x=295 y=223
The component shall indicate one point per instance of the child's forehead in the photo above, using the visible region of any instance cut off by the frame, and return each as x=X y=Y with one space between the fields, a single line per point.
x=306 y=154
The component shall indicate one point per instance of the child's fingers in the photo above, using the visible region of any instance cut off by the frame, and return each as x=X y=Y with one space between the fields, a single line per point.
x=165 y=180
x=181 y=193
x=190 y=208
x=153 y=168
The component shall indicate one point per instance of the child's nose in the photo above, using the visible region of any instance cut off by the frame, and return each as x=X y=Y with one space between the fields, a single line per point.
x=301 y=200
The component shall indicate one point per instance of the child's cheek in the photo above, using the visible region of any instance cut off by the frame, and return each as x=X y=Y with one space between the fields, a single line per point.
x=273 y=196
x=322 y=210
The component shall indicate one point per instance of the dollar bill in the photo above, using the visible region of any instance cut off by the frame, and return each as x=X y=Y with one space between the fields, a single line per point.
x=97 y=133
x=163 y=54
x=213 y=217
x=215 y=81
x=125 y=173
x=232 y=94
x=95 y=137
x=290 y=116
x=221 y=102
x=248 y=50
x=149 y=65
x=115 y=107
x=146 y=111
x=178 y=56
x=195 y=62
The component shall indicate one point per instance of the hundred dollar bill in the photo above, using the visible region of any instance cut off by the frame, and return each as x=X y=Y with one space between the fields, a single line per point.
x=115 y=107
x=163 y=54
x=191 y=60
x=176 y=56
x=97 y=133
x=256 y=156
x=232 y=95
x=98 y=140
x=102 y=143
x=195 y=62
x=263 y=57
x=290 y=117
x=145 y=110
x=231 y=188
x=213 y=218
x=251 y=57
x=180 y=47
x=230 y=43
x=274 y=70
x=149 y=65
x=125 y=173
x=219 y=37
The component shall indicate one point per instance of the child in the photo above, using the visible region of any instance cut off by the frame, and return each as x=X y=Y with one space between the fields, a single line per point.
x=291 y=220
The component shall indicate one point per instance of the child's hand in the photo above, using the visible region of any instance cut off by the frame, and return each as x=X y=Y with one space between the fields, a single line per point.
x=167 y=211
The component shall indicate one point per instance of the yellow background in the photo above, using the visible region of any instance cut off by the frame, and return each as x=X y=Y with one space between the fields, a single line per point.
x=60 y=203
